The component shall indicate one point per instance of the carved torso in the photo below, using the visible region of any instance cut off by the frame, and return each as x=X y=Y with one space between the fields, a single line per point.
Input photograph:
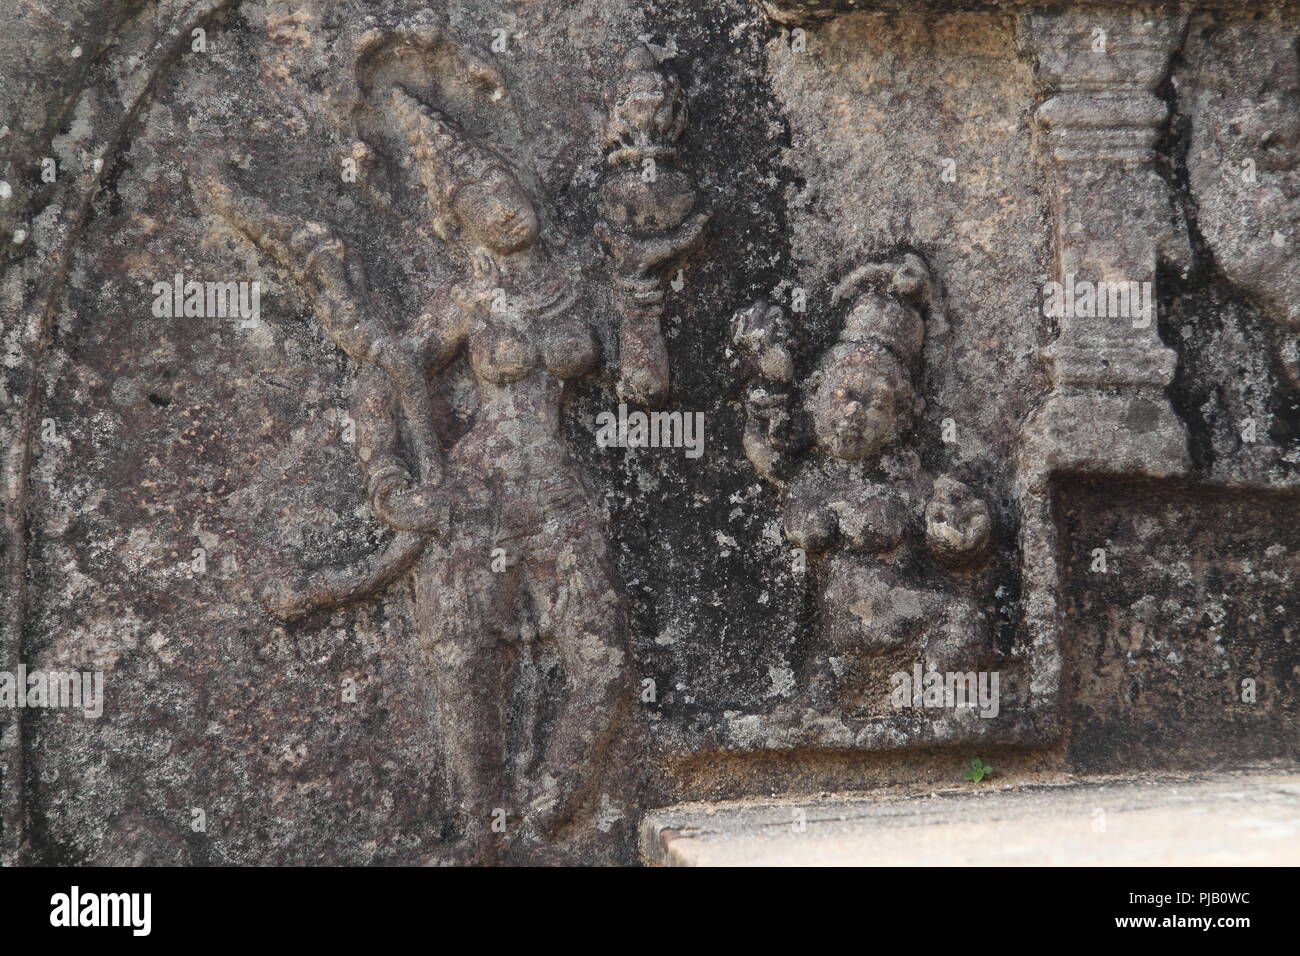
x=521 y=346
x=874 y=513
x=511 y=335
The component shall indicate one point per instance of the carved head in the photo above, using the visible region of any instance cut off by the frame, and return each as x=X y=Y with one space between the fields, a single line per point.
x=863 y=399
x=862 y=402
x=1242 y=90
x=495 y=213
x=475 y=196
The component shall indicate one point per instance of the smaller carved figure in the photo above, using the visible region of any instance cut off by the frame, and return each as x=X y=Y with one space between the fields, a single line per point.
x=896 y=552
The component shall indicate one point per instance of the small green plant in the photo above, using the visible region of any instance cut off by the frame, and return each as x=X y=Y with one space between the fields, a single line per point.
x=978 y=770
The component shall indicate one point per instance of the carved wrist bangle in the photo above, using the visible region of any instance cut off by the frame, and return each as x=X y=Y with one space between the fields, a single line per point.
x=379 y=479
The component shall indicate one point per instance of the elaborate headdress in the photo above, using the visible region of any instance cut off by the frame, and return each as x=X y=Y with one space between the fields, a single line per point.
x=884 y=316
x=647 y=112
x=447 y=157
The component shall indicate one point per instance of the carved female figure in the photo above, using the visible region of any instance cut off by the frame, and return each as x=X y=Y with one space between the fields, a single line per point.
x=502 y=534
x=862 y=503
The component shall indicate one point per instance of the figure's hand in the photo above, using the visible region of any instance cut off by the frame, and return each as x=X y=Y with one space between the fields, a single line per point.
x=643 y=363
x=396 y=357
x=644 y=383
x=639 y=255
x=759 y=332
x=766 y=420
x=286 y=595
x=957 y=522
x=771 y=411
x=767 y=461
x=423 y=508
x=774 y=432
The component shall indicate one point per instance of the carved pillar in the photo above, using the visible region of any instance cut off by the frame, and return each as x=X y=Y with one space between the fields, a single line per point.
x=1107 y=412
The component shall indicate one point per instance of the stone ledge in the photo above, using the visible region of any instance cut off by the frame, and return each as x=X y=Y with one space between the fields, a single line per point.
x=794 y=12
x=1248 y=818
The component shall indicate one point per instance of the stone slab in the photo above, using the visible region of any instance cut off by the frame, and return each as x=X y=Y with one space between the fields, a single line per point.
x=1240 y=819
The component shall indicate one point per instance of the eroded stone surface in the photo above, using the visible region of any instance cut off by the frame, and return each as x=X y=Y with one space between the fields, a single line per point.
x=361 y=572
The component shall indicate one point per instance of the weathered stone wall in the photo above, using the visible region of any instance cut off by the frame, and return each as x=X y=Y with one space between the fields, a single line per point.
x=656 y=626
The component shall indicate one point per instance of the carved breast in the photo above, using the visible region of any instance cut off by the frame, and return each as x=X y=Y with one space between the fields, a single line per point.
x=500 y=353
x=872 y=519
x=506 y=347
x=567 y=348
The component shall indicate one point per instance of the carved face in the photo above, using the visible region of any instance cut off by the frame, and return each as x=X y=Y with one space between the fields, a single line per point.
x=496 y=214
x=859 y=407
x=1244 y=166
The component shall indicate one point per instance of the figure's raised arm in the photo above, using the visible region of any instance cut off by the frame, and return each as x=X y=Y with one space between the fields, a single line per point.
x=439 y=333
x=334 y=282
x=772 y=435
x=318 y=261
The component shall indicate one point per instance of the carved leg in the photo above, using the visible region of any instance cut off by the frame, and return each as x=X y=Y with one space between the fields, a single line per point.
x=869 y=610
x=466 y=615
x=580 y=608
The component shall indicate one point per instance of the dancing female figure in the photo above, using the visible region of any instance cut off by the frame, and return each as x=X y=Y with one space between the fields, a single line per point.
x=501 y=533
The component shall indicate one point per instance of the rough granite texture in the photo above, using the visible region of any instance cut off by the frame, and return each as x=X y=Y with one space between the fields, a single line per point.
x=840 y=260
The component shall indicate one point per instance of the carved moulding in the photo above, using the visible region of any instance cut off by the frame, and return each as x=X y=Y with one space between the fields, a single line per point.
x=1107 y=412
x=794 y=12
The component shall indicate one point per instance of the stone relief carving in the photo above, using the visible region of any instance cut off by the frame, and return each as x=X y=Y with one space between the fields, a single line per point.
x=1108 y=412
x=1243 y=164
x=648 y=215
x=909 y=548
x=500 y=531
x=881 y=528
